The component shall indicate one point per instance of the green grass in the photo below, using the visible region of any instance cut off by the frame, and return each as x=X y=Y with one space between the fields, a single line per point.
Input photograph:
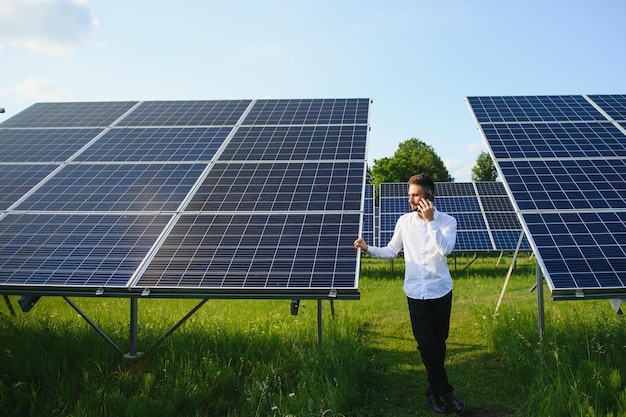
x=252 y=358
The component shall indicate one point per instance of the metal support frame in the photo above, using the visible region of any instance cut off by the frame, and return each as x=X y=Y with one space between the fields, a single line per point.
x=319 y=323
x=509 y=272
x=470 y=262
x=9 y=305
x=134 y=329
x=133 y=352
x=93 y=325
x=541 y=324
x=500 y=257
x=320 y=320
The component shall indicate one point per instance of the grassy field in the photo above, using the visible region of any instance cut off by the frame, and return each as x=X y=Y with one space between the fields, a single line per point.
x=252 y=358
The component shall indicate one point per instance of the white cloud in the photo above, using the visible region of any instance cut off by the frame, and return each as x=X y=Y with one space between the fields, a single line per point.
x=36 y=89
x=476 y=147
x=53 y=27
x=460 y=170
x=462 y=173
x=452 y=164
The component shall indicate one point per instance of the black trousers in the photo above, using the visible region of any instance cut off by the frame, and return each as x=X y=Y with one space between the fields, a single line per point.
x=430 y=320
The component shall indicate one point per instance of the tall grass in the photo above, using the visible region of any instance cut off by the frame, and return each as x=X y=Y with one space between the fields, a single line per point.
x=579 y=367
x=252 y=358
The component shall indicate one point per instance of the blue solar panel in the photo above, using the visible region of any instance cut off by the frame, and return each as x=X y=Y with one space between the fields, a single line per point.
x=567 y=177
x=91 y=114
x=115 y=187
x=516 y=109
x=508 y=239
x=470 y=221
x=550 y=140
x=187 y=113
x=567 y=184
x=266 y=207
x=394 y=190
x=17 y=180
x=503 y=220
x=581 y=250
x=43 y=145
x=270 y=251
x=473 y=241
x=157 y=144
x=393 y=202
x=315 y=112
x=490 y=188
x=457 y=204
x=484 y=213
x=613 y=105
x=500 y=203
x=280 y=186
x=454 y=189
x=74 y=250
x=295 y=143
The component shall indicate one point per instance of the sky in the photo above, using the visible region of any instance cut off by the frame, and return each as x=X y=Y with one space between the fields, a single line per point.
x=417 y=60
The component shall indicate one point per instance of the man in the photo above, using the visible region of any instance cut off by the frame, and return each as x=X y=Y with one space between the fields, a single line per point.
x=427 y=237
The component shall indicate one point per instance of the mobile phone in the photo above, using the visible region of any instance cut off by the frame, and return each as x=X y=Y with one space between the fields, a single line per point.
x=428 y=196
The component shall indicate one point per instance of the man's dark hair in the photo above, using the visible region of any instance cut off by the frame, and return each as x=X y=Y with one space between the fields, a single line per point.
x=424 y=181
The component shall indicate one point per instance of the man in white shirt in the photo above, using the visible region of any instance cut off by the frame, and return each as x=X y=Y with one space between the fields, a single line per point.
x=427 y=237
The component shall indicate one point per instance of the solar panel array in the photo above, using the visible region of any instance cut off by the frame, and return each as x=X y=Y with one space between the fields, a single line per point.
x=485 y=217
x=563 y=161
x=233 y=198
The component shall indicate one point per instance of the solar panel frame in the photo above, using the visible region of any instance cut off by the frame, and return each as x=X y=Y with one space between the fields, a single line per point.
x=369 y=215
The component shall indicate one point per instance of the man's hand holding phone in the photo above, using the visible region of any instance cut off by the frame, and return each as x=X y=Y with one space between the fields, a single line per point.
x=425 y=207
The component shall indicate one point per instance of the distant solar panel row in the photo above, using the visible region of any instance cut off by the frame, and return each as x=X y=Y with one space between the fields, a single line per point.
x=563 y=159
x=485 y=217
x=183 y=197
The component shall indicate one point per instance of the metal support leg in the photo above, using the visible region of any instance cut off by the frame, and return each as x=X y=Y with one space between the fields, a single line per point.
x=510 y=271
x=92 y=324
x=134 y=326
x=177 y=325
x=319 y=322
x=540 y=306
x=470 y=262
x=134 y=307
x=9 y=305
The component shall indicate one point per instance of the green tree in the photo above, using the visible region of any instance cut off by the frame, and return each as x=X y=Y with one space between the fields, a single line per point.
x=412 y=157
x=484 y=170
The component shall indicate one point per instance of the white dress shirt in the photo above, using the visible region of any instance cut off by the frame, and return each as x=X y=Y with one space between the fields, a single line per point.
x=426 y=246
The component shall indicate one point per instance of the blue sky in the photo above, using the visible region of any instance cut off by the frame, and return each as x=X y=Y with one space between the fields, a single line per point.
x=417 y=60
